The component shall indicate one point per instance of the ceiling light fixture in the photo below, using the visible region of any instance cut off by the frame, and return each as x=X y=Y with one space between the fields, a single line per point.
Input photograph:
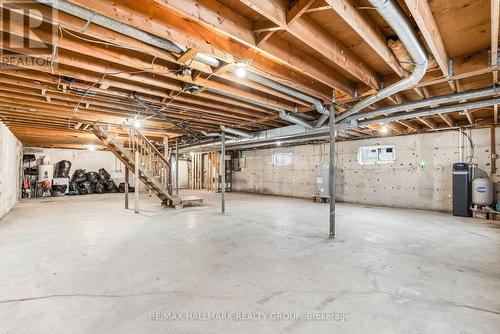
x=90 y=147
x=241 y=69
x=384 y=129
x=137 y=124
x=186 y=72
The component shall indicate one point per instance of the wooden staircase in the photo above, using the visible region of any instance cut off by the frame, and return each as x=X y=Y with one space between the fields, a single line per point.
x=154 y=169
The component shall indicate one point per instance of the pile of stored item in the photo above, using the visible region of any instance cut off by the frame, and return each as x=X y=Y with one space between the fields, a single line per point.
x=45 y=179
x=84 y=183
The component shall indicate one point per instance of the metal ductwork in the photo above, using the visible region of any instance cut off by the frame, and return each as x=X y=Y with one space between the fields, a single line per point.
x=295 y=134
x=294 y=119
x=124 y=29
x=282 y=113
x=434 y=111
x=317 y=103
x=321 y=120
x=433 y=101
x=111 y=24
x=117 y=26
x=245 y=99
x=216 y=135
x=210 y=134
x=393 y=15
x=236 y=132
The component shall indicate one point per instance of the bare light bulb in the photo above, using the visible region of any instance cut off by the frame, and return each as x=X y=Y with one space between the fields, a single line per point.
x=241 y=69
x=384 y=129
x=137 y=124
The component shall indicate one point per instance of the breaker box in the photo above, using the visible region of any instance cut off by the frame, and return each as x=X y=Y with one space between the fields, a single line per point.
x=322 y=181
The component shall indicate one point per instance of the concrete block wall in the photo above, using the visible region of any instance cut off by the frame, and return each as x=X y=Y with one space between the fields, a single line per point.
x=11 y=154
x=419 y=178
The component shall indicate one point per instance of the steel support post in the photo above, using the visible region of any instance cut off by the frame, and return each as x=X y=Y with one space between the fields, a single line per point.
x=331 y=172
x=223 y=171
x=136 y=181
x=177 y=166
x=126 y=187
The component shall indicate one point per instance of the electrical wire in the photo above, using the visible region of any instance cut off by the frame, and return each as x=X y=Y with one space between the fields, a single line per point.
x=471 y=157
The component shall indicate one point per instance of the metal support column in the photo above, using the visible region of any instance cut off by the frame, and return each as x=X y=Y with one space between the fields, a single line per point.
x=223 y=170
x=331 y=172
x=136 y=181
x=177 y=166
x=126 y=187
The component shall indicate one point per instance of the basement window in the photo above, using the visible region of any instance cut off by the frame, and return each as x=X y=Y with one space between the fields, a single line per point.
x=370 y=155
x=282 y=159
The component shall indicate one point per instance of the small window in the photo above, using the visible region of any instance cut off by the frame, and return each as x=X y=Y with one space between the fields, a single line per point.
x=370 y=155
x=282 y=159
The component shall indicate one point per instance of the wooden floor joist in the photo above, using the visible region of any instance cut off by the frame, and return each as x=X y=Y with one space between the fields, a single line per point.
x=318 y=48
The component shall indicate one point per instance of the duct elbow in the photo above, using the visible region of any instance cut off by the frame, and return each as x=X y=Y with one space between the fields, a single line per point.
x=419 y=72
x=295 y=120
x=320 y=121
x=321 y=108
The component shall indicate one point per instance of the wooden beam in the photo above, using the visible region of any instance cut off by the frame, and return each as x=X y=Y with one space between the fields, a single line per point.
x=188 y=56
x=318 y=8
x=428 y=122
x=201 y=24
x=25 y=77
x=448 y=120
x=310 y=33
x=105 y=85
x=297 y=10
x=262 y=37
x=422 y=14
x=495 y=21
x=468 y=113
x=115 y=57
x=408 y=125
x=265 y=26
x=368 y=31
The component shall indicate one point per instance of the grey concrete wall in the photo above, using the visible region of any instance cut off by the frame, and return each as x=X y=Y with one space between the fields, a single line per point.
x=405 y=183
x=11 y=154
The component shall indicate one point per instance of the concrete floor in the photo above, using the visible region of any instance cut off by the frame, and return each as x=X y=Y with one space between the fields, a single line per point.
x=85 y=265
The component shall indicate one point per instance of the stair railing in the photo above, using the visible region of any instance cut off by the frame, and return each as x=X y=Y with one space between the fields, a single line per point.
x=151 y=161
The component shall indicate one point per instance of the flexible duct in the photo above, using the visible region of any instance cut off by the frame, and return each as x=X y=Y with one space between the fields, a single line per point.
x=393 y=15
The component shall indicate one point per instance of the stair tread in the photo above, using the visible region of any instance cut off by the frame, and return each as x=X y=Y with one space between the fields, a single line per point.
x=146 y=175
